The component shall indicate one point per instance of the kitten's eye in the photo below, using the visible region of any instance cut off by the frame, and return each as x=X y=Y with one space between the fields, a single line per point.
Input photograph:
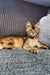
x=31 y=30
x=35 y=30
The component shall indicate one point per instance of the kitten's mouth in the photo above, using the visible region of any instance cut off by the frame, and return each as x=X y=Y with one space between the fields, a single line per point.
x=32 y=35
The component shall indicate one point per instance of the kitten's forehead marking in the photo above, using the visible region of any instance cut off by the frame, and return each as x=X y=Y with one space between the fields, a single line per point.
x=28 y=24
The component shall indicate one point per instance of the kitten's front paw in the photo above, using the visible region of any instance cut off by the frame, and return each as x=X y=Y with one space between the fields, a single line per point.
x=34 y=51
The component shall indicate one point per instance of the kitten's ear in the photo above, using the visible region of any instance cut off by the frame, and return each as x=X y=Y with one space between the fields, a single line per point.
x=36 y=25
x=28 y=24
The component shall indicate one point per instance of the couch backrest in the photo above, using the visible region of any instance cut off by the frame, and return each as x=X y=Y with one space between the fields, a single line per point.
x=15 y=13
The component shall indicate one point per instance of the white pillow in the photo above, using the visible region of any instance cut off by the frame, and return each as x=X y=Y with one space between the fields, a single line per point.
x=44 y=34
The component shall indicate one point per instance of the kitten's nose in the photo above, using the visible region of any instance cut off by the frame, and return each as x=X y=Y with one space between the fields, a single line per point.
x=33 y=32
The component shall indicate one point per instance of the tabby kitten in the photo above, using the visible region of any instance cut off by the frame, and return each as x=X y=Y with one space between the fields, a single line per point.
x=28 y=43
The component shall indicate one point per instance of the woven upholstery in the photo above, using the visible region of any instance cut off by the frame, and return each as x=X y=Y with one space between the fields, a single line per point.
x=11 y=22
x=10 y=25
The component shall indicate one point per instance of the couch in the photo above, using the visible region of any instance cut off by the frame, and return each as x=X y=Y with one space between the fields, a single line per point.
x=13 y=16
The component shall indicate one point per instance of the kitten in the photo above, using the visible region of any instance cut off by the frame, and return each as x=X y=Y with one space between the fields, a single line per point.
x=28 y=43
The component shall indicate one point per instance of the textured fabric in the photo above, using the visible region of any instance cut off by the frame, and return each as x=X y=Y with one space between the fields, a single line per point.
x=15 y=13
x=22 y=62
x=44 y=35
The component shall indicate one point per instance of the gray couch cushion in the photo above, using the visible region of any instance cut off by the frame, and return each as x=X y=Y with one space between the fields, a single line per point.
x=44 y=35
x=22 y=62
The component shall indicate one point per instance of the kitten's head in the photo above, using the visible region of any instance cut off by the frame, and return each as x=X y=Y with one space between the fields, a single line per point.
x=32 y=31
